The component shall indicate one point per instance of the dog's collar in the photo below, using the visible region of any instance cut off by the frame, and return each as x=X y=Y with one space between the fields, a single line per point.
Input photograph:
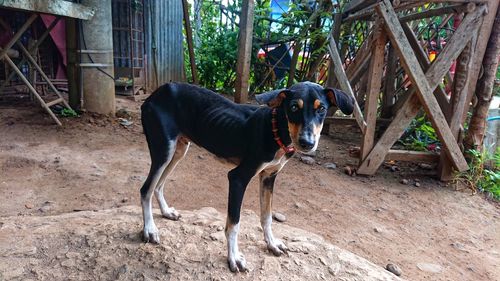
x=289 y=150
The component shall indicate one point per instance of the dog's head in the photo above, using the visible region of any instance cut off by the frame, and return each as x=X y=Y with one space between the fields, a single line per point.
x=306 y=105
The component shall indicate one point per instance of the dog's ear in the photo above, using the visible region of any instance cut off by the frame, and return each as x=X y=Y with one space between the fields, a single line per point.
x=272 y=98
x=340 y=99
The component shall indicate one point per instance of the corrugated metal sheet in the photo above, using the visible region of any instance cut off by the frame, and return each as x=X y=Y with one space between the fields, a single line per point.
x=163 y=41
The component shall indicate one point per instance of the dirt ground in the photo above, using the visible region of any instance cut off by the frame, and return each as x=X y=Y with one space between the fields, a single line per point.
x=432 y=232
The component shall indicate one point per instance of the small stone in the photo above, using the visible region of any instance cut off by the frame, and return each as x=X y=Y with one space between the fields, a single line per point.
x=425 y=166
x=404 y=181
x=201 y=157
x=417 y=184
x=307 y=160
x=331 y=166
x=394 y=269
x=124 y=200
x=377 y=230
x=220 y=228
x=28 y=206
x=279 y=217
x=122 y=113
x=348 y=170
x=298 y=205
x=394 y=168
x=334 y=269
x=429 y=267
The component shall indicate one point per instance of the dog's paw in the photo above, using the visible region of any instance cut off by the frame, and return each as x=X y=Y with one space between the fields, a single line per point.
x=237 y=263
x=277 y=247
x=171 y=214
x=151 y=235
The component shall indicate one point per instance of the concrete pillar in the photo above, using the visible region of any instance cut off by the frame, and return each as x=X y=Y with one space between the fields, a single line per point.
x=97 y=37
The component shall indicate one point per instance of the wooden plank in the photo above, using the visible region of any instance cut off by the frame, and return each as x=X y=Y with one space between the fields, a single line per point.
x=18 y=34
x=375 y=72
x=244 y=52
x=344 y=82
x=337 y=18
x=54 y=7
x=348 y=121
x=389 y=83
x=418 y=78
x=457 y=8
x=404 y=155
x=355 y=5
x=459 y=97
x=425 y=63
x=189 y=39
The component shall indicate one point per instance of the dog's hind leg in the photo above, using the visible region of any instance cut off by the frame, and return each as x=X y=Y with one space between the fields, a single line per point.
x=161 y=135
x=180 y=151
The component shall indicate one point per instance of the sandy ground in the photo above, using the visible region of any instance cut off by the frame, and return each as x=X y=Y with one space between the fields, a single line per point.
x=432 y=232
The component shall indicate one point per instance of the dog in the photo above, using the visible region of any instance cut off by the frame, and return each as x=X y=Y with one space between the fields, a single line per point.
x=258 y=140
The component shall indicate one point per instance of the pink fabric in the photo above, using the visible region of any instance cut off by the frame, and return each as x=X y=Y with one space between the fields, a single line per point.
x=58 y=34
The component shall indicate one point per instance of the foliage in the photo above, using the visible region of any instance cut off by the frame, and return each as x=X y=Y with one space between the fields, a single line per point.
x=479 y=176
x=67 y=112
x=420 y=135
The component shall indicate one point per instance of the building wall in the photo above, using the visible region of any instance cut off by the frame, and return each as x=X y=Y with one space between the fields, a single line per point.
x=163 y=42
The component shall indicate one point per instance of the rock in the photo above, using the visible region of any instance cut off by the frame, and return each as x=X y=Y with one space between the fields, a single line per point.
x=123 y=113
x=394 y=168
x=425 y=166
x=394 y=269
x=105 y=245
x=201 y=157
x=404 y=181
x=331 y=166
x=279 y=217
x=430 y=267
x=308 y=160
x=298 y=205
x=28 y=206
x=348 y=170
x=417 y=184
x=125 y=122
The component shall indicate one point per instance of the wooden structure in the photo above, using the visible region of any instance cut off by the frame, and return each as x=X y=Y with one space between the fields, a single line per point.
x=393 y=66
x=128 y=47
x=33 y=8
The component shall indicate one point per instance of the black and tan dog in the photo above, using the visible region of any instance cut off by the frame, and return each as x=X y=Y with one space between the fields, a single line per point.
x=258 y=140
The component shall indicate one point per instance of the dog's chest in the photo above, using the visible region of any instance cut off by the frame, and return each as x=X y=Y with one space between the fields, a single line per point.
x=274 y=165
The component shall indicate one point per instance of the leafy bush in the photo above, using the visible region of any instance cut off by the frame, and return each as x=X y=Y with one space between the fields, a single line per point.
x=479 y=176
x=420 y=135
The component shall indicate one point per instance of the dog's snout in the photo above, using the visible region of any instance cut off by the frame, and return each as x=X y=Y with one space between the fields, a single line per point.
x=306 y=144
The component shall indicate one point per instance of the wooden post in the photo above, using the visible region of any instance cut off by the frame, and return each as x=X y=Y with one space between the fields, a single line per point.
x=244 y=52
x=293 y=63
x=459 y=96
x=375 y=72
x=344 y=82
x=189 y=39
x=480 y=49
x=389 y=84
x=330 y=82
x=72 y=70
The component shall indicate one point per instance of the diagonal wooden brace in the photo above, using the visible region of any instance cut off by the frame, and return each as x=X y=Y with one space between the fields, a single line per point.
x=412 y=105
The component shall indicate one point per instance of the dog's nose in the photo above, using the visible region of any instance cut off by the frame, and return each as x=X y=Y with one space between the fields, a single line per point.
x=306 y=144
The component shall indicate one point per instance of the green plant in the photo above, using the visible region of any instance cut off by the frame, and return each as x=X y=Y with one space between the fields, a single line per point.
x=420 y=135
x=68 y=112
x=480 y=176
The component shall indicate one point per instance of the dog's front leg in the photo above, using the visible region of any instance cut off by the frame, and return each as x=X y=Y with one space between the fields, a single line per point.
x=274 y=245
x=238 y=181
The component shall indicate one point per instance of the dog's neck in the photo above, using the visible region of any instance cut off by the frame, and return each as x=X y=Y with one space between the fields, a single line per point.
x=280 y=131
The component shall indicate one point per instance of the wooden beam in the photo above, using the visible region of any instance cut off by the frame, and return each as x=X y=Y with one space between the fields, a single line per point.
x=425 y=63
x=404 y=155
x=344 y=82
x=355 y=5
x=418 y=78
x=54 y=7
x=189 y=39
x=375 y=72
x=459 y=97
x=411 y=105
x=455 y=9
x=244 y=52
x=337 y=18
x=389 y=83
x=348 y=121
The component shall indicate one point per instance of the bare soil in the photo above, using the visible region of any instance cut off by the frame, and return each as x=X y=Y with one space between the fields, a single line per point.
x=432 y=232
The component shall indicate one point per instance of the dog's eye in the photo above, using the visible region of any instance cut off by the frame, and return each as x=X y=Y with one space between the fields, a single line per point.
x=321 y=109
x=294 y=108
